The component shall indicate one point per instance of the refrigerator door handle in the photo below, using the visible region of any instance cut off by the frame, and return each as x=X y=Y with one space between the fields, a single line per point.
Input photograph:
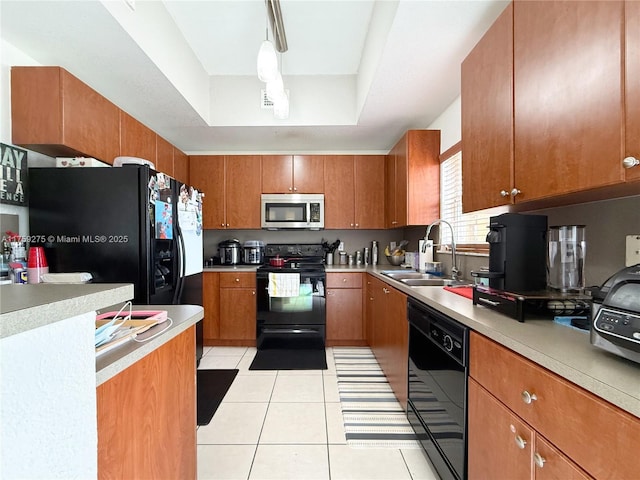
x=181 y=267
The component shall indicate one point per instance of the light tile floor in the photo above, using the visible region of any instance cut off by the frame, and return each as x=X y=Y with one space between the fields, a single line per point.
x=287 y=424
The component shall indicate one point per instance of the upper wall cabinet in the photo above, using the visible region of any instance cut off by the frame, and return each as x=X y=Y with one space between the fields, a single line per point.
x=413 y=179
x=181 y=167
x=563 y=74
x=231 y=184
x=354 y=191
x=632 y=86
x=164 y=156
x=136 y=140
x=487 y=117
x=54 y=113
x=292 y=174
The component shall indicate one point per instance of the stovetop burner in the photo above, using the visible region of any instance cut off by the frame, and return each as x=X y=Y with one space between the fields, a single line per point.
x=298 y=257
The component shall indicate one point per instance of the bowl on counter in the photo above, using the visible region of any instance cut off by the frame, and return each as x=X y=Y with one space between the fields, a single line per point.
x=395 y=260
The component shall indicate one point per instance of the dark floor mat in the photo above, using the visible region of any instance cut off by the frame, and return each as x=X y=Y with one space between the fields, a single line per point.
x=289 y=359
x=212 y=387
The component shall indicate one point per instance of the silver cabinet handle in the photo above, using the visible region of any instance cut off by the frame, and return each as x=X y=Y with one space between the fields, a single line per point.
x=539 y=460
x=504 y=193
x=489 y=302
x=528 y=397
x=520 y=442
x=351 y=224
x=253 y=293
x=385 y=290
x=295 y=189
x=357 y=225
x=630 y=162
x=515 y=192
x=237 y=279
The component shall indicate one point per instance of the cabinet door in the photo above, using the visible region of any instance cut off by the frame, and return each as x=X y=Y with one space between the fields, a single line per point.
x=487 y=118
x=211 y=304
x=344 y=315
x=499 y=443
x=136 y=140
x=398 y=337
x=551 y=464
x=568 y=96
x=420 y=176
x=308 y=174
x=146 y=415
x=243 y=178
x=391 y=220
x=401 y=185
x=164 y=156
x=369 y=191
x=54 y=113
x=277 y=174
x=207 y=172
x=632 y=86
x=238 y=314
x=338 y=191
x=181 y=167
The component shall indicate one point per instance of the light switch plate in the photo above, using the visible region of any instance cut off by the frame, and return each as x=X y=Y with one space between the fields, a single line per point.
x=633 y=250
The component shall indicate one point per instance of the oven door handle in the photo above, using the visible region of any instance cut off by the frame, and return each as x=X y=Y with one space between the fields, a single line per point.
x=288 y=330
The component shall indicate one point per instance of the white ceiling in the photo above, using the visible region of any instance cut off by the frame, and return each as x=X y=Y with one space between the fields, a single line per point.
x=359 y=72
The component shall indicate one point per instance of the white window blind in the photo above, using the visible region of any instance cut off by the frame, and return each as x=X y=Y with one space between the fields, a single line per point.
x=469 y=228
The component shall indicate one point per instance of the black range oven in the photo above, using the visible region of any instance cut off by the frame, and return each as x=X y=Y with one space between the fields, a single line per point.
x=438 y=369
x=291 y=298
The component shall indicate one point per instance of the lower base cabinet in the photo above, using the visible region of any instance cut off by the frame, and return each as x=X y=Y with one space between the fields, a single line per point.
x=147 y=415
x=388 y=334
x=344 y=309
x=528 y=422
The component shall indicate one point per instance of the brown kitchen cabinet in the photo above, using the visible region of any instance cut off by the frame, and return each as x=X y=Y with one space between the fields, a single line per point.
x=487 y=117
x=387 y=312
x=344 y=311
x=588 y=431
x=543 y=115
x=292 y=174
x=146 y=415
x=238 y=307
x=354 y=191
x=181 y=167
x=136 y=139
x=211 y=305
x=231 y=184
x=54 y=113
x=632 y=87
x=164 y=156
x=502 y=446
x=412 y=183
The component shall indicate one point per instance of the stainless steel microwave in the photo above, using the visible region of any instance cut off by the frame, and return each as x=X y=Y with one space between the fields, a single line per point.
x=289 y=211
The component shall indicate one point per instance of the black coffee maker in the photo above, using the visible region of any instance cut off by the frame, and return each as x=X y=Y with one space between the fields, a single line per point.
x=517 y=253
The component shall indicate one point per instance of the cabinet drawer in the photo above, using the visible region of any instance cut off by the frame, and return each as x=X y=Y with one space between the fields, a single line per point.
x=344 y=280
x=237 y=280
x=593 y=433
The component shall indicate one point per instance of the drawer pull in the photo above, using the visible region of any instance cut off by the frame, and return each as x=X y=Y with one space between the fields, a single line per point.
x=539 y=459
x=489 y=302
x=520 y=442
x=344 y=280
x=528 y=397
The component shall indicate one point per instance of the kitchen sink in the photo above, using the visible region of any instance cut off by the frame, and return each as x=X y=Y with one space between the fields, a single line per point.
x=427 y=282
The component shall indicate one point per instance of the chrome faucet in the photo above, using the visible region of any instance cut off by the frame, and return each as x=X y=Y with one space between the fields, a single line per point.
x=454 y=265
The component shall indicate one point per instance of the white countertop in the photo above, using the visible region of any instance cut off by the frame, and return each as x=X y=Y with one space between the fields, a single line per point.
x=25 y=307
x=563 y=350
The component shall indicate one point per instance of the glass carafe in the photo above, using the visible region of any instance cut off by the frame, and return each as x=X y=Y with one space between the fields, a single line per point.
x=565 y=258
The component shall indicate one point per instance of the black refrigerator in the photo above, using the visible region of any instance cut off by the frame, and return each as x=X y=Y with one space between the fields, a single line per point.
x=122 y=225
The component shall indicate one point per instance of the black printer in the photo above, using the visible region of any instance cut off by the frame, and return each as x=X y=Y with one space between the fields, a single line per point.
x=615 y=317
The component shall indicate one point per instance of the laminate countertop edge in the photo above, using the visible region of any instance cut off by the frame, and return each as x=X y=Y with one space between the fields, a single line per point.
x=183 y=317
x=562 y=350
x=26 y=307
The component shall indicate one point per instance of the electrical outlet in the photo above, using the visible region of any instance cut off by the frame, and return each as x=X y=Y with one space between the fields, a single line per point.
x=633 y=250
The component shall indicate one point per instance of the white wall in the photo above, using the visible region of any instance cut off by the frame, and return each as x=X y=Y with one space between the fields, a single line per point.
x=48 y=419
x=450 y=125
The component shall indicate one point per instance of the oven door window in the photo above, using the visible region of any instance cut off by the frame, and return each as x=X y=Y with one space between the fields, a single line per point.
x=302 y=303
x=286 y=212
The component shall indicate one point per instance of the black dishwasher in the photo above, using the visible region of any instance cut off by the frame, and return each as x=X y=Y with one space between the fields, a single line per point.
x=438 y=369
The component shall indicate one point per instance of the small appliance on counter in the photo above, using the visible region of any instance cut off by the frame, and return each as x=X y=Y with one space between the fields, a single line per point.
x=517 y=274
x=253 y=252
x=230 y=252
x=615 y=325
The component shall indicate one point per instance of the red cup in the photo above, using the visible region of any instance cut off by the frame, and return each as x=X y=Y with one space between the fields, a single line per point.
x=36 y=258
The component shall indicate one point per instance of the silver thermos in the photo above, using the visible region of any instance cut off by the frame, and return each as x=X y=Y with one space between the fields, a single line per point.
x=374 y=253
x=366 y=256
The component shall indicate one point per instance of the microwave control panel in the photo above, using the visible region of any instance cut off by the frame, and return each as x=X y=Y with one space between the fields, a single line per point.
x=314 y=212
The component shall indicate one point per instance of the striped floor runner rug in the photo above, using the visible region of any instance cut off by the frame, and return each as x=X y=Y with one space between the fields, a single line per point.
x=373 y=418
